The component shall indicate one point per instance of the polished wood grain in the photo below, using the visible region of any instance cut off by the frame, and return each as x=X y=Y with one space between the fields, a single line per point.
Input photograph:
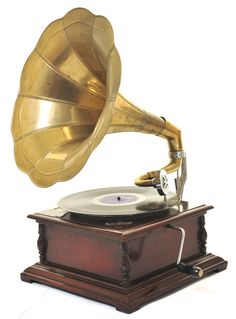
x=124 y=299
x=125 y=263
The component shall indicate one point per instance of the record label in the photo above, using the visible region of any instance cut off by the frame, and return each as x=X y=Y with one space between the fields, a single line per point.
x=118 y=199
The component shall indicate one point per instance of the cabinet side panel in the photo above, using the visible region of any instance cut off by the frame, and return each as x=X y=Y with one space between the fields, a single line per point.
x=159 y=248
x=83 y=251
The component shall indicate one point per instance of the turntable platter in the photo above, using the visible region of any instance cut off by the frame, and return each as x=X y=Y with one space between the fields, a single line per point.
x=117 y=201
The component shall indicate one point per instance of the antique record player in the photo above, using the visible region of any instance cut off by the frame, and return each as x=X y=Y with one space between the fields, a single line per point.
x=124 y=246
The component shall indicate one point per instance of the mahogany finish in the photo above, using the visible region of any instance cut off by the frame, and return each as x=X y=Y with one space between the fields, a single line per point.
x=125 y=263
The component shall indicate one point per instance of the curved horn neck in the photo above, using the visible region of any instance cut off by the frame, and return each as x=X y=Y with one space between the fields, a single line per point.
x=129 y=118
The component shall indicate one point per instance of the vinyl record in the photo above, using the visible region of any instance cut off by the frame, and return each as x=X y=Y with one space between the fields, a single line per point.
x=117 y=201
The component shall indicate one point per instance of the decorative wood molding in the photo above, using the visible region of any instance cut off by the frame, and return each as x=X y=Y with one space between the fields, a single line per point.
x=139 y=260
x=125 y=299
x=42 y=243
x=125 y=263
x=202 y=235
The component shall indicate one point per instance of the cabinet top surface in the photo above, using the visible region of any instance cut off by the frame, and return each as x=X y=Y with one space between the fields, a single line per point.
x=120 y=226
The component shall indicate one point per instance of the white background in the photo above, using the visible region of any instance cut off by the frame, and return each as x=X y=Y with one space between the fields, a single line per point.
x=179 y=61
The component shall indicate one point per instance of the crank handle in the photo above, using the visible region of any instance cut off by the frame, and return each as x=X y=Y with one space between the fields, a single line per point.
x=194 y=271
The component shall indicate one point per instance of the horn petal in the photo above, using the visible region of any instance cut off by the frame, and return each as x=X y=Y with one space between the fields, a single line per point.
x=67 y=91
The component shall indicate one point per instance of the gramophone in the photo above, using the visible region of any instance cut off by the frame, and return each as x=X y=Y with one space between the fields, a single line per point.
x=124 y=246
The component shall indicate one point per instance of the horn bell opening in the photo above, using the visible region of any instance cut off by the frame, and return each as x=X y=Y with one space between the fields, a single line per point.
x=65 y=103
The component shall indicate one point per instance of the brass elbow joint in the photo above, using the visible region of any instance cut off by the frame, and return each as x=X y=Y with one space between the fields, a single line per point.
x=173 y=136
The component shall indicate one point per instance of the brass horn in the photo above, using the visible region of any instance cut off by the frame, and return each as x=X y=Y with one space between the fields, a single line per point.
x=68 y=100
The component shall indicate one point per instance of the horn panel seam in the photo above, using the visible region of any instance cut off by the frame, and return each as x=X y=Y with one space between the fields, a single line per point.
x=49 y=38
x=48 y=128
x=59 y=101
x=53 y=149
x=58 y=72
x=92 y=46
x=81 y=59
x=63 y=28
